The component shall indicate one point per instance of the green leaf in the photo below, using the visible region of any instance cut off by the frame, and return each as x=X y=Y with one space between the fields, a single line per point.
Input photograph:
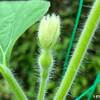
x=15 y=18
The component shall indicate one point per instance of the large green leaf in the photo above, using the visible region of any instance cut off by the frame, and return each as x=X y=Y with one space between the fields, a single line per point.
x=15 y=18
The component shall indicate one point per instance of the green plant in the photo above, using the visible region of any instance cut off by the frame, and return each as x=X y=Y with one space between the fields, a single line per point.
x=49 y=32
x=12 y=25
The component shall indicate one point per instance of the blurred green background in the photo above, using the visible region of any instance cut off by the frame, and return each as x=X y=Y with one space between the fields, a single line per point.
x=24 y=63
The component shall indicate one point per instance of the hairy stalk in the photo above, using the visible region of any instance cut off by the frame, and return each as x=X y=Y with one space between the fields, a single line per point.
x=84 y=40
x=12 y=82
x=45 y=63
x=43 y=81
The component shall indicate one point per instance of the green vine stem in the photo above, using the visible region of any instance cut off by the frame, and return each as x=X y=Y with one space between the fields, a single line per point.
x=43 y=84
x=80 y=50
x=7 y=74
x=42 y=87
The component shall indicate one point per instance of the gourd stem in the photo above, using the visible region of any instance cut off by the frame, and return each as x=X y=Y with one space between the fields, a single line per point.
x=43 y=83
x=80 y=50
x=7 y=74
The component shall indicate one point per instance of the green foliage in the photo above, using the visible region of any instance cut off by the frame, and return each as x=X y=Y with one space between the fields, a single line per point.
x=12 y=26
x=14 y=21
x=26 y=51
